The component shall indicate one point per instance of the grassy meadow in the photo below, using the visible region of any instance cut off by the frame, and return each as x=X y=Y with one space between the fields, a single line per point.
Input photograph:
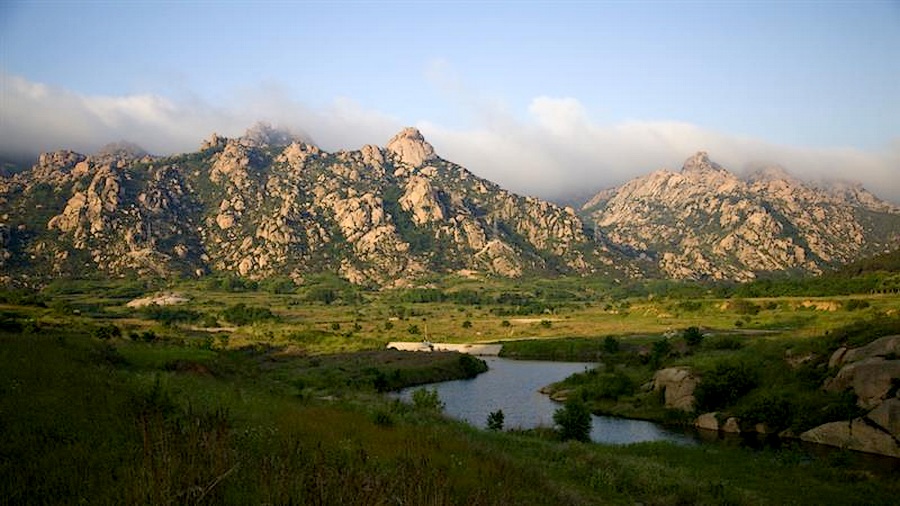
x=274 y=394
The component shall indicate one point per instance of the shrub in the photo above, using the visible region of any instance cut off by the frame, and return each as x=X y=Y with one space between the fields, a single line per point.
x=495 y=420
x=610 y=345
x=107 y=332
x=467 y=324
x=505 y=323
x=745 y=307
x=725 y=384
x=724 y=343
x=574 y=421
x=242 y=314
x=854 y=304
x=427 y=400
x=692 y=336
x=609 y=386
x=168 y=315
x=472 y=366
x=546 y=324
x=773 y=409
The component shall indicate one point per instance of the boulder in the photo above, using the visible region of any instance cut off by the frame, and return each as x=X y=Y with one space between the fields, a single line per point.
x=871 y=379
x=854 y=435
x=884 y=347
x=732 y=424
x=679 y=384
x=887 y=416
x=707 y=421
x=411 y=147
x=837 y=357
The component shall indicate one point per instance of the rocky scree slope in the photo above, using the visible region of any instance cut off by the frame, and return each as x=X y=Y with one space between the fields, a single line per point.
x=705 y=222
x=267 y=204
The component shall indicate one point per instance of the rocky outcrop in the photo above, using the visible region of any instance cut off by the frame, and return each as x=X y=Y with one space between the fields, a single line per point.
x=854 y=435
x=883 y=347
x=873 y=375
x=870 y=371
x=410 y=147
x=272 y=204
x=871 y=379
x=887 y=417
x=706 y=222
x=678 y=385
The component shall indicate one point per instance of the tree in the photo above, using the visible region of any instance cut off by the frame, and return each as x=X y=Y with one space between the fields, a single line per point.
x=692 y=336
x=427 y=400
x=610 y=345
x=495 y=420
x=574 y=421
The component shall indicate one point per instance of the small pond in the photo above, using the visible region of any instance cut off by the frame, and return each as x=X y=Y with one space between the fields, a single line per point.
x=512 y=386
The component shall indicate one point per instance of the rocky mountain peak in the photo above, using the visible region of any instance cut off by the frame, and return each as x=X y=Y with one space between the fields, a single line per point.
x=411 y=147
x=769 y=173
x=122 y=150
x=699 y=163
x=263 y=134
x=706 y=223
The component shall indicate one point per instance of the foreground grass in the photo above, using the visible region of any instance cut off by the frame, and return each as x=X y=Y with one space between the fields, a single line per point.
x=87 y=421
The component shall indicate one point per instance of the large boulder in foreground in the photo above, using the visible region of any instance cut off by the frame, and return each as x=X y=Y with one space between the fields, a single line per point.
x=884 y=347
x=871 y=379
x=856 y=435
x=887 y=417
x=872 y=372
x=678 y=385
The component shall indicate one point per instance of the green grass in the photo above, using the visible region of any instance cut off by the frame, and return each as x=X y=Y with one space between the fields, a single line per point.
x=288 y=409
x=113 y=422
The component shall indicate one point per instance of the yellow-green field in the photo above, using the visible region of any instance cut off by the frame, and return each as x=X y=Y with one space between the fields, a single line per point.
x=375 y=318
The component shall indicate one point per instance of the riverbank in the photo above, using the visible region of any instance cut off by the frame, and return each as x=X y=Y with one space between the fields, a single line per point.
x=107 y=421
x=837 y=389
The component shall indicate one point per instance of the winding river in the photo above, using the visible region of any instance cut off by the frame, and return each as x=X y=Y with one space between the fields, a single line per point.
x=512 y=386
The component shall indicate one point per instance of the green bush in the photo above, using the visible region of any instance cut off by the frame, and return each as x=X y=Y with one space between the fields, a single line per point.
x=106 y=332
x=472 y=366
x=723 y=343
x=725 y=384
x=693 y=336
x=168 y=315
x=609 y=386
x=242 y=314
x=744 y=307
x=573 y=421
x=610 y=345
x=495 y=420
x=775 y=410
x=427 y=400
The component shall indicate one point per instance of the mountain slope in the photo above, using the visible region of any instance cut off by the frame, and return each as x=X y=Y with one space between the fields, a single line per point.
x=270 y=205
x=706 y=222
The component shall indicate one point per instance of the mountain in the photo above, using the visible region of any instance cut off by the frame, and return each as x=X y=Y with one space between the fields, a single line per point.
x=705 y=222
x=272 y=204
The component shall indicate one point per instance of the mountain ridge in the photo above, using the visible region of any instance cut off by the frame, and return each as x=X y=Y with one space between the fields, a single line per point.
x=707 y=222
x=273 y=204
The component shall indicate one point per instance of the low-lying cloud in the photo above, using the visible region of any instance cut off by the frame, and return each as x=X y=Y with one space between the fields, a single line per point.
x=556 y=151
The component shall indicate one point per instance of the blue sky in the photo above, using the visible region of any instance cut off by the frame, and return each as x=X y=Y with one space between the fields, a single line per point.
x=549 y=97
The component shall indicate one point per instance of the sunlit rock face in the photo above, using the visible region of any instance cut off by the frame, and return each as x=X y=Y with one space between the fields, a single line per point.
x=704 y=222
x=272 y=204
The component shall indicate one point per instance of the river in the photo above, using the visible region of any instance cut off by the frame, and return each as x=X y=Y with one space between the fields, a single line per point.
x=512 y=386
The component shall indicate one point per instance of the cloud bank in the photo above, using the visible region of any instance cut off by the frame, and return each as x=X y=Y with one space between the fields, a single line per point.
x=556 y=151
